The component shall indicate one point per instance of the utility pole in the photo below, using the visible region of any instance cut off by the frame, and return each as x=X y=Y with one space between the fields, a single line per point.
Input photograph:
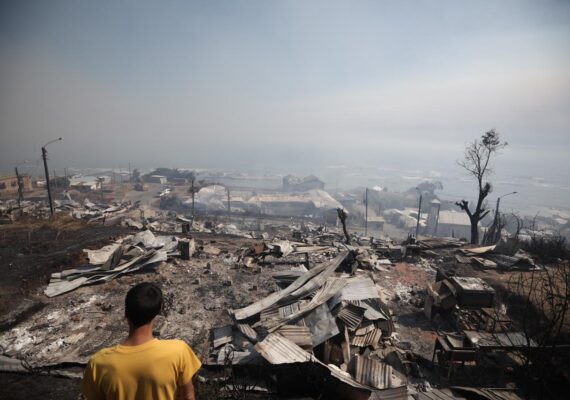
x=20 y=190
x=229 y=205
x=192 y=188
x=100 y=180
x=419 y=212
x=130 y=176
x=44 y=156
x=366 y=213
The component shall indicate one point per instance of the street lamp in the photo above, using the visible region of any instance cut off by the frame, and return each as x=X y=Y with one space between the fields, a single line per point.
x=44 y=156
x=494 y=234
x=499 y=201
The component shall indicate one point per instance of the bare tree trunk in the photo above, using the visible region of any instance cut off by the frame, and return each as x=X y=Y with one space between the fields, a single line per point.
x=342 y=216
x=474 y=231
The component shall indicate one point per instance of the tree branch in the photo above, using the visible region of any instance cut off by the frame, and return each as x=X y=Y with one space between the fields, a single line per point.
x=464 y=205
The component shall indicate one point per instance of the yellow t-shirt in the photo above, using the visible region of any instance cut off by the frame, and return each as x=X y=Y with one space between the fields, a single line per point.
x=153 y=370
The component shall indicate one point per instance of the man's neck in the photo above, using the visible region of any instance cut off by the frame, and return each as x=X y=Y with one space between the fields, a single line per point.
x=138 y=336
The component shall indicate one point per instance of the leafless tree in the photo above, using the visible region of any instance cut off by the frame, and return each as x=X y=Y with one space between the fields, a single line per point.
x=478 y=155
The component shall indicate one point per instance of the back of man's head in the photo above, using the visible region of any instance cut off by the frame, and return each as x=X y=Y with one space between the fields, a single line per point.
x=143 y=303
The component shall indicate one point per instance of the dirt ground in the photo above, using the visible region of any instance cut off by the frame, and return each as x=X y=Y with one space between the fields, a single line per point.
x=30 y=252
x=20 y=387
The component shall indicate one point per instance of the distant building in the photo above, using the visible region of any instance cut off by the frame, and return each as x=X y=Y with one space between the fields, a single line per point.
x=406 y=218
x=179 y=181
x=294 y=184
x=311 y=203
x=9 y=184
x=157 y=179
x=84 y=183
x=448 y=223
x=376 y=222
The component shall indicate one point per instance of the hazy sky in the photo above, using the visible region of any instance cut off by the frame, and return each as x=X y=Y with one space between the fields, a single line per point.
x=301 y=83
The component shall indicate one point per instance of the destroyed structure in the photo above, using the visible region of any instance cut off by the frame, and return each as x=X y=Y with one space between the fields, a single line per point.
x=290 y=308
x=294 y=184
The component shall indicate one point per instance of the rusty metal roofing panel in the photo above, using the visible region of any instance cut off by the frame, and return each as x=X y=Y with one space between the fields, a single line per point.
x=357 y=288
x=300 y=335
x=374 y=309
x=371 y=338
x=331 y=287
x=325 y=269
x=278 y=350
x=375 y=373
x=248 y=332
x=345 y=377
x=289 y=309
x=351 y=315
x=315 y=284
x=269 y=315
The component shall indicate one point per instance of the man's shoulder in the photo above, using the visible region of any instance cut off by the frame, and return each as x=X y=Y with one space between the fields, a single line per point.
x=102 y=356
x=175 y=344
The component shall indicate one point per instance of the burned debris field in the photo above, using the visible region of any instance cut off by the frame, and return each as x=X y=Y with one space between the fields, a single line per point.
x=297 y=200
x=278 y=306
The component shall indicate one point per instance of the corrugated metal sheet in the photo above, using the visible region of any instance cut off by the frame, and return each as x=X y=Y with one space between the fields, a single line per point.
x=278 y=350
x=323 y=270
x=369 y=339
x=373 y=309
x=364 y=328
x=314 y=284
x=289 y=309
x=269 y=315
x=345 y=377
x=351 y=315
x=375 y=373
x=300 y=335
x=248 y=332
x=331 y=287
x=358 y=288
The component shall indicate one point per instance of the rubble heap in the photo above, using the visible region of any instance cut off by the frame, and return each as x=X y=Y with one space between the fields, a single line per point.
x=338 y=315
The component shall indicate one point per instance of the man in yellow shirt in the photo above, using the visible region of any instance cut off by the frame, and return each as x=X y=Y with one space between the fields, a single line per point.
x=142 y=367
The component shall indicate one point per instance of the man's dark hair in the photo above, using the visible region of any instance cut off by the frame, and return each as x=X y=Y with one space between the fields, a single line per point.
x=143 y=303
